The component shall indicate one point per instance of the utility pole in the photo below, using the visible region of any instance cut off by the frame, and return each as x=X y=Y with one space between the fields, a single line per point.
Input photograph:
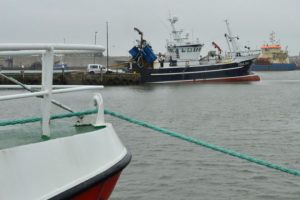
x=95 y=44
x=96 y=37
x=107 y=45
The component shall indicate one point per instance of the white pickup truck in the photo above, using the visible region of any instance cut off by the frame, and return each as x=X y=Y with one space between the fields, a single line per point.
x=97 y=69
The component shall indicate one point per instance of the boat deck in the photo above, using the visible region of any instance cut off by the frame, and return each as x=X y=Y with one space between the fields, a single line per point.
x=17 y=135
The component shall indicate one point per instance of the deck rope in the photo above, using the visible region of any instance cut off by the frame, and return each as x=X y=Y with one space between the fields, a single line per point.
x=38 y=119
x=164 y=131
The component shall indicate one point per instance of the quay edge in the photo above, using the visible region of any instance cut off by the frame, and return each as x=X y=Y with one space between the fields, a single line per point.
x=78 y=78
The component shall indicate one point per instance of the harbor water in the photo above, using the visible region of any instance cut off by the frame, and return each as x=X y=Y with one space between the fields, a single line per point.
x=261 y=119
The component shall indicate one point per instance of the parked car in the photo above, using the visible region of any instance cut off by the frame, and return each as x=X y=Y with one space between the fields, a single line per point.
x=97 y=69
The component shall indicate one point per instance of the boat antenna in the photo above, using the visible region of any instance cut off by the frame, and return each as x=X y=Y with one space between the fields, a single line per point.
x=272 y=38
x=176 y=33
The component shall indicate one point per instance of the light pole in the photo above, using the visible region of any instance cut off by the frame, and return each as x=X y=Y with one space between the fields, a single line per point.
x=96 y=37
x=95 y=43
x=107 y=45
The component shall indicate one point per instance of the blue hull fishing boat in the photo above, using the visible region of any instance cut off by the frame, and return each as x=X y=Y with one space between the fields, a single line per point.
x=183 y=63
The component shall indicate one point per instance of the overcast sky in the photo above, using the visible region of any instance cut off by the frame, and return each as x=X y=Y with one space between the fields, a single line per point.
x=76 y=21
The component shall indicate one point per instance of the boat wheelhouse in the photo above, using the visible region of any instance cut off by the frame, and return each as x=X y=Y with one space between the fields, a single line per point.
x=180 y=46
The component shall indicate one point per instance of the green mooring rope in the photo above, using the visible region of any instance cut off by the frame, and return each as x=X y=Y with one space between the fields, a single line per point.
x=38 y=119
x=203 y=143
x=164 y=131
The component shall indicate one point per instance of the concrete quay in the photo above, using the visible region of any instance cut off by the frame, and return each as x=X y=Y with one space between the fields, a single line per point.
x=75 y=78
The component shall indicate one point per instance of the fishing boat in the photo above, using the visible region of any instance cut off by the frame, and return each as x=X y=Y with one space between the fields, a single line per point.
x=58 y=160
x=273 y=57
x=182 y=61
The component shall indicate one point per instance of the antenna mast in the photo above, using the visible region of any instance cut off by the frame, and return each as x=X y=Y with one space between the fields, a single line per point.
x=175 y=33
x=232 y=38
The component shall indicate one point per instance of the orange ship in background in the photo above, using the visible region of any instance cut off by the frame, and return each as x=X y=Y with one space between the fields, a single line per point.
x=273 y=58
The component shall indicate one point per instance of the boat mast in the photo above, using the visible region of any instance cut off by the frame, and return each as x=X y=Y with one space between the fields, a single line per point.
x=175 y=33
x=226 y=36
x=272 y=38
x=232 y=38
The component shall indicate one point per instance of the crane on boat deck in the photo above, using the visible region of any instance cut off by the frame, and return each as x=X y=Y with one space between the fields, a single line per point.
x=213 y=54
x=217 y=47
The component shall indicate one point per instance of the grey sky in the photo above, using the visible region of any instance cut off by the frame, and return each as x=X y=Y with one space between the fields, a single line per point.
x=77 y=21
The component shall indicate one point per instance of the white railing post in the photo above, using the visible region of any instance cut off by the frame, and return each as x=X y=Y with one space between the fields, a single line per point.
x=98 y=102
x=47 y=79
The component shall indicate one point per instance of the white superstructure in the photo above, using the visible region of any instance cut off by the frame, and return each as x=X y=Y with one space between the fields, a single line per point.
x=180 y=47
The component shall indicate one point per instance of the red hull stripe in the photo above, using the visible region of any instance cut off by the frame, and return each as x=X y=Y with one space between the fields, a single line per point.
x=99 y=187
x=252 y=77
x=101 y=191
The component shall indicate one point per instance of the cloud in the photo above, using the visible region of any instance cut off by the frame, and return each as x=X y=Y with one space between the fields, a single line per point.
x=76 y=21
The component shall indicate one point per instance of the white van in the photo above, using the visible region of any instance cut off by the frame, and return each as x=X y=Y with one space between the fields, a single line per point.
x=96 y=69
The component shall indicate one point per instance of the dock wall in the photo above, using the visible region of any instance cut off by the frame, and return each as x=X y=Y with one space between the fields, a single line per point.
x=78 y=78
